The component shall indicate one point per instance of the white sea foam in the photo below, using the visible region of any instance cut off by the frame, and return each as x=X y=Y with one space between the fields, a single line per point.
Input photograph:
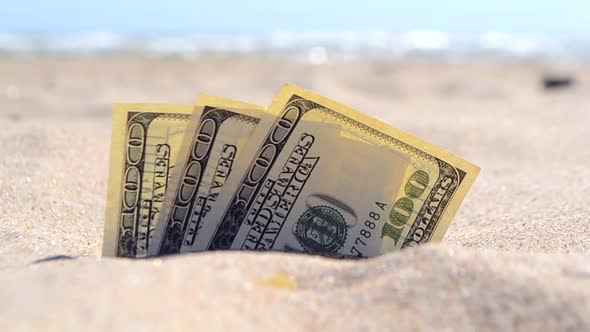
x=425 y=40
x=14 y=43
x=88 y=42
x=312 y=47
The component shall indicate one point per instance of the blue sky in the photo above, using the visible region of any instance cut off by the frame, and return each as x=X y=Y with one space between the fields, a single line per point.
x=564 y=18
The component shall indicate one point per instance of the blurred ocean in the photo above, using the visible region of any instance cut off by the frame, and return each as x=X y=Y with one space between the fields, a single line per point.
x=311 y=47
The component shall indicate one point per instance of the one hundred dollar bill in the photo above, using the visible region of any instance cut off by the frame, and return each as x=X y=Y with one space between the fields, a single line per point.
x=216 y=135
x=144 y=147
x=325 y=179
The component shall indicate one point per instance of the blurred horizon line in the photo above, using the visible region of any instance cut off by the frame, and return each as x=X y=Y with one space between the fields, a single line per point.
x=314 y=47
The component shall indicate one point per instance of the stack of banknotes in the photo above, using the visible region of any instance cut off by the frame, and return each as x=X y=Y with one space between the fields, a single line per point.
x=306 y=174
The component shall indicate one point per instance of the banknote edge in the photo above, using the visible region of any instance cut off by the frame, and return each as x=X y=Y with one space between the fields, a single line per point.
x=471 y=170
x=207 y=112
x=456 y=198
x=111 y=229
x=116 y=165
x=203 y=100
x=290 y=89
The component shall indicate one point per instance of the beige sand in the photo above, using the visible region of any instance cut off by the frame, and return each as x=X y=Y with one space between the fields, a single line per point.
x=516 y=256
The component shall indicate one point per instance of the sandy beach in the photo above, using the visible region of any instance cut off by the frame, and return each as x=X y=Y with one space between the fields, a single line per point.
x=517 y=256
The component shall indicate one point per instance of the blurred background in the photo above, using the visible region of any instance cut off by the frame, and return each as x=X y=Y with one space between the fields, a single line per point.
x=442 y=61
x=309 y=31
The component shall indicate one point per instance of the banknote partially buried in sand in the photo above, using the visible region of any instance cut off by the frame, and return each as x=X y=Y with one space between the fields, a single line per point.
x=306 y=175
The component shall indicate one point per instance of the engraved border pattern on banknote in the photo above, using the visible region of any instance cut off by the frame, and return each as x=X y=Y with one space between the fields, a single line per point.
x=194 y=169
x=136 y=137
x=234 y=214
x=441 y=193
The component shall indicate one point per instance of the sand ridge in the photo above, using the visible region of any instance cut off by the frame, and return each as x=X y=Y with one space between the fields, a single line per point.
x=434 y=287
